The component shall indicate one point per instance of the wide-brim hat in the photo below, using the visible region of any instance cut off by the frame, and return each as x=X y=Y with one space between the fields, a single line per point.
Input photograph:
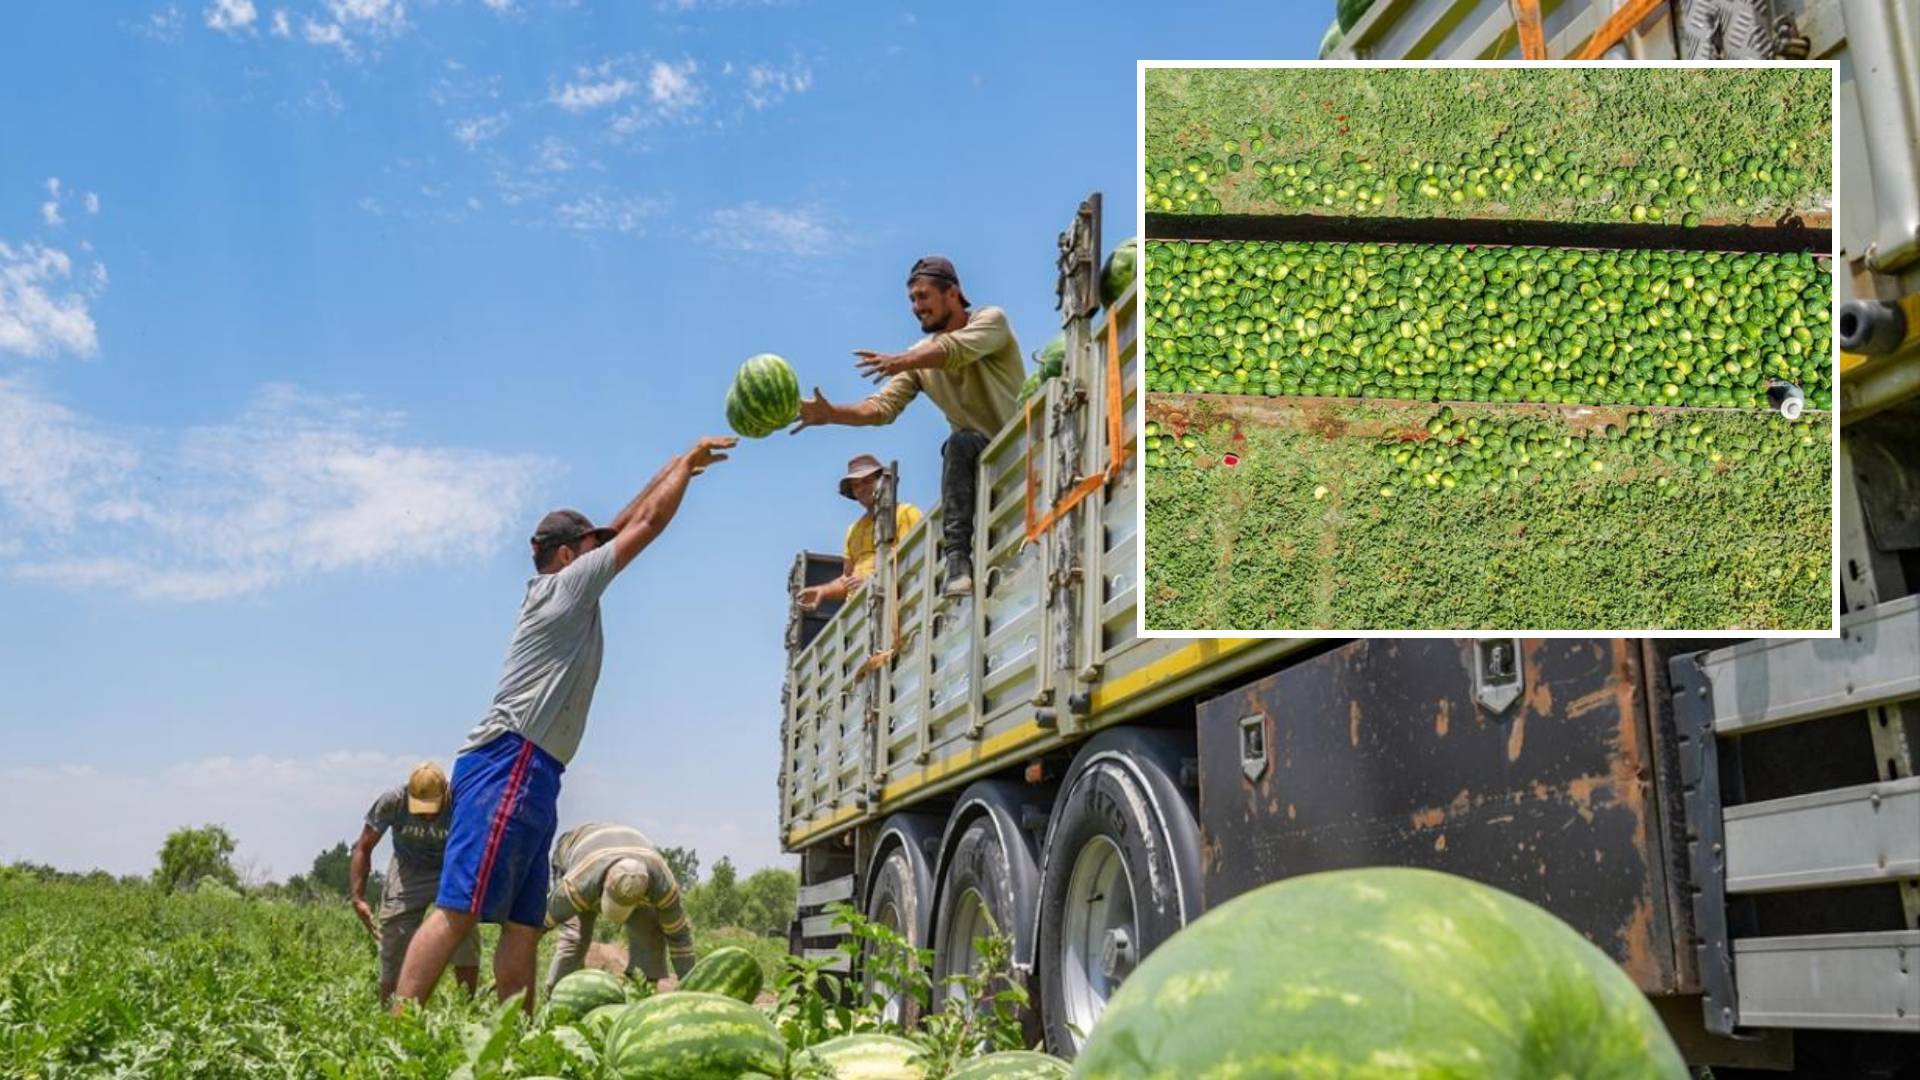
x=860 y=468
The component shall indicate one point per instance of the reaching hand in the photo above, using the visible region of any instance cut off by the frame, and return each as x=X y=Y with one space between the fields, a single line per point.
x=361 y=909
x=879 y=366
x=808 y=599
x=707 y=451
x=814 y=412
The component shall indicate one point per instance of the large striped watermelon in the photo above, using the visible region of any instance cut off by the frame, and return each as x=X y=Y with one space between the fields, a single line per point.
x=764 y=398
x=729 y=970
x=599 y=1020
x=583 y=991
x=866 y=1057
x=690 y=1035
x=1012 y=1065
x=1379 y=972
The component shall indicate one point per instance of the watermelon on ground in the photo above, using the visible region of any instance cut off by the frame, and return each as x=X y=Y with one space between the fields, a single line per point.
x=1012 y=1065
x=1118 y=273
x=1389 y=972
x=867 y=1057
x=764 y=397
x=728 y=970
x=692 y=1035
x=598 y=1020
x=583 y=991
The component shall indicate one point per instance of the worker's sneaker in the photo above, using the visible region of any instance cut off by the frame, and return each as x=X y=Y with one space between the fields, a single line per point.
x=959 y=576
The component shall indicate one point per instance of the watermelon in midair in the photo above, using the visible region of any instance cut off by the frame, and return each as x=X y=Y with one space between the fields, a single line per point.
x=1331 y=39
x=728 y=970
x=1384 y=971
x=764 y=398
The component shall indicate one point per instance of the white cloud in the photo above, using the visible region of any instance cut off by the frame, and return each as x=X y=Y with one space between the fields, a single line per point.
x=324 y=98
x=297 y=484
x=594 y=88
x=329 y=34
x=230 y=16
x=766 y=85
x=554 y=155
x=163 y=25
x=672 y=87
x=501 y=6
x=754 y=227
x=282 y=25
x=476 y=130
x=93 y=203
x=50 y=213
x=40 y=314
x=379 y=16
x=601 y=213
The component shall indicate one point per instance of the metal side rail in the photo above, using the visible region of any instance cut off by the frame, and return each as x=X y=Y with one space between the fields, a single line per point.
x=817 y=924
x=1766 y=683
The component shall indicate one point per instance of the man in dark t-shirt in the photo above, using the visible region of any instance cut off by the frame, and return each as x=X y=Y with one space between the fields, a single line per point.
x=417 y=814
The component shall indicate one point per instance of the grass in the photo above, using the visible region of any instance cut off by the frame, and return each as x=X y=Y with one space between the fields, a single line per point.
x=1618 y=117
x=1745 y=544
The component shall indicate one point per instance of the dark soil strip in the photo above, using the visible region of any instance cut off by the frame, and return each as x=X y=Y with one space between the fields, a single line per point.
x=1787 y=236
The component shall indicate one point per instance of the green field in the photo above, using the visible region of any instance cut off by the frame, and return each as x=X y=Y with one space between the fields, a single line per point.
x=1320 y=527
x=1620 y=143
x=113 y=979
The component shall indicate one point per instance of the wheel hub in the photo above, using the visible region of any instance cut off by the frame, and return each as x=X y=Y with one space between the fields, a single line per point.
x=1116 y=954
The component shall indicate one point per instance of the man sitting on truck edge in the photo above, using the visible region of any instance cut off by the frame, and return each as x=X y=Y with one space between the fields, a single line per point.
x=615 y=871
x=506 y=781
x=416 y=813
x=970 y=365
x=862 y=485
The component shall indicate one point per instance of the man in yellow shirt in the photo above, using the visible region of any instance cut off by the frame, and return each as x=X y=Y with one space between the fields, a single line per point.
x=862 y=485
x=970 y=365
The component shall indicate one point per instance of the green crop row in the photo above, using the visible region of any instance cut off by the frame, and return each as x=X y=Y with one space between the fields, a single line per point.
x=1654 y=145
x=1455 y=322
x=1705 y=521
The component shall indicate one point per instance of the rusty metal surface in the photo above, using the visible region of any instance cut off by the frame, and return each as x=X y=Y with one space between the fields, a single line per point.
x=1378 y=755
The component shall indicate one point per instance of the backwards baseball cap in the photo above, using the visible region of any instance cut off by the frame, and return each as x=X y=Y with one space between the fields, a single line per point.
x=938 y=268
x=624 y=886
x=861 y=467
x=426 y=789
x=565 y=527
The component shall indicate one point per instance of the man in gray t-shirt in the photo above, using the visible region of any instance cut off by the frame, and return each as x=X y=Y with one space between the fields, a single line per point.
x=416 y=813
x=506 y=781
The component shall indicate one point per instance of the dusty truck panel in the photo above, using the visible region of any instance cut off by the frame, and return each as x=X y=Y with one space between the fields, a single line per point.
x=1391 y=752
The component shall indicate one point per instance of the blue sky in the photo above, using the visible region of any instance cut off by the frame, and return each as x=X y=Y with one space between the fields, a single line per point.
x=308 y=309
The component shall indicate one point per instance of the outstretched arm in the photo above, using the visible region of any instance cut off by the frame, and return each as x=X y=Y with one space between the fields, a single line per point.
x=817 y=411
x=656 y=506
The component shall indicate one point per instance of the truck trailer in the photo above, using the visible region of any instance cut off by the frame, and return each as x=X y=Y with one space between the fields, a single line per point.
x=1736 y=822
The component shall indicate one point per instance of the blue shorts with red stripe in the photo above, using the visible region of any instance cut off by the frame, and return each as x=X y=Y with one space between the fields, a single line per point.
x=506 y=797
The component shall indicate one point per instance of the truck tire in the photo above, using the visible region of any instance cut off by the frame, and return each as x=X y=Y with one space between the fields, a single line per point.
x=1120 y=874
x=983 y=876
x=900 y=893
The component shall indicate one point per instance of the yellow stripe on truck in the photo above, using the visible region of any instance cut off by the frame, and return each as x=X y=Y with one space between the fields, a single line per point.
x=1182 y=662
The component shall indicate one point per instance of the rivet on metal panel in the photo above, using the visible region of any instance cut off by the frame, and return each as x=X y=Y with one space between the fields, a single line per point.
x=1497 y=676
x=1253 y=747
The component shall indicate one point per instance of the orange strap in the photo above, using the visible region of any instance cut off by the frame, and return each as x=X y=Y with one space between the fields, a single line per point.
x=1526 y=22
x=1116 y=447
x=1617 y=26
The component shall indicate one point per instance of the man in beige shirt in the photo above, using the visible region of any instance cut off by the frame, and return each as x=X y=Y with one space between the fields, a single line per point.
x=970 y=365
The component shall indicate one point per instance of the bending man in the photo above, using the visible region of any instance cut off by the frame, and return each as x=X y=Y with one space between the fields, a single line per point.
x=506 y=781
x=613 y=871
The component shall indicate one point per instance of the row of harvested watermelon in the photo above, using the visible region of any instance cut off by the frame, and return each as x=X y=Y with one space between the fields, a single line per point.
x=709 y=1029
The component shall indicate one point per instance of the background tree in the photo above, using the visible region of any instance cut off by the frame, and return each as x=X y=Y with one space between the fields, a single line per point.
x=192 y=854
x=329 y=873
x=767 y=900
x=716 y=902
x=685 y=864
